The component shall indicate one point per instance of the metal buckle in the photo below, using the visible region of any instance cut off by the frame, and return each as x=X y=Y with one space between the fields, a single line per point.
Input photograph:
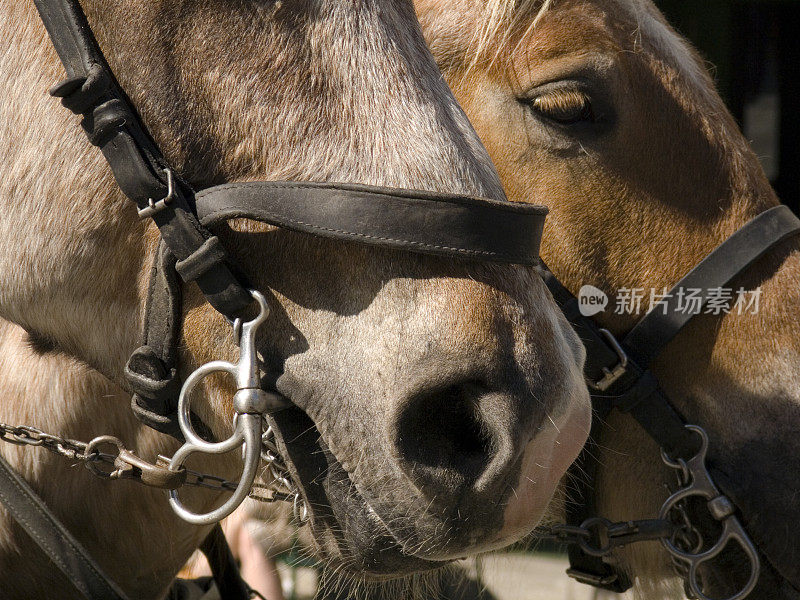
x=154 y=207
x=611 y=375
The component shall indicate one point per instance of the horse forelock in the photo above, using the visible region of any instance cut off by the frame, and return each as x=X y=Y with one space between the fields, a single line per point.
x=497 y=22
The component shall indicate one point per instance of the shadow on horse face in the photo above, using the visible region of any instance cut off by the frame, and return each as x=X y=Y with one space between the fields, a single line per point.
x=431 y=422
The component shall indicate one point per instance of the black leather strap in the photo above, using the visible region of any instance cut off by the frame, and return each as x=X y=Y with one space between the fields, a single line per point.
x=140 y=170
x=637 y=390
x=444 y=224
x=585 y=568
x=659 y=326
x=223 y=566
x=151 y=371
x=72 y=559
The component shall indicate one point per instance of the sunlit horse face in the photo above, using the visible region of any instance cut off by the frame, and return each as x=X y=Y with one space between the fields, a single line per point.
x=599 y=110
x=447 y=396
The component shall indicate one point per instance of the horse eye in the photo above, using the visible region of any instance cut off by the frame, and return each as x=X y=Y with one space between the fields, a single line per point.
x=566 y=107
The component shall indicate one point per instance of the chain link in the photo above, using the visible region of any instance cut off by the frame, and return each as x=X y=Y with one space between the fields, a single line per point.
x=599 y=537
x=124 y=464
x=23 y=435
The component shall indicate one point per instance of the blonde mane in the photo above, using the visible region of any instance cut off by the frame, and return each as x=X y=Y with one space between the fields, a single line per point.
x=498 y=21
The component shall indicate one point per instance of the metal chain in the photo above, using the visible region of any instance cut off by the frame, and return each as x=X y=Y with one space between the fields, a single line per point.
x=30 y=436
x=123 y=464
x=599 y=537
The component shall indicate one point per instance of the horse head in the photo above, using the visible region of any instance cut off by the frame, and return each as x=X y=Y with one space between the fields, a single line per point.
x=436 y=402
x=600 y=110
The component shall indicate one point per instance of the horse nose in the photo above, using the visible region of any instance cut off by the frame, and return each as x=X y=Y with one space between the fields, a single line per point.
x=461 y=440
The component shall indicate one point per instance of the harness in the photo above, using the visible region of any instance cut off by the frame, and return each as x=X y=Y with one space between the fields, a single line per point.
x=446 y=225
x=619 y=377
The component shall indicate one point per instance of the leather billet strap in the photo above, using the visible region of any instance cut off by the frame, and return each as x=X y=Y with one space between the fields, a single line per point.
x=415 y=221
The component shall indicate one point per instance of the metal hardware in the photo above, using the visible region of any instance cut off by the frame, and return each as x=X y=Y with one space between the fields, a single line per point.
x=697 y=482
x=124 y=464
x=611 y=375
x=250 y=403
x=684 y=542
x=599 y=537
x=154 y=207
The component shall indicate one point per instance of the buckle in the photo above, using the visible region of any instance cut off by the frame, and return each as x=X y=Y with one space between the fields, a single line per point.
x=154 y=207
x=611 y=375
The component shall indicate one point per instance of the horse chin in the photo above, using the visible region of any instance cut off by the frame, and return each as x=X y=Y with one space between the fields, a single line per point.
x=348 y=533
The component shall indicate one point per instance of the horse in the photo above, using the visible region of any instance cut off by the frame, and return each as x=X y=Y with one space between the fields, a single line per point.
x=445 y=396
x=599 y=109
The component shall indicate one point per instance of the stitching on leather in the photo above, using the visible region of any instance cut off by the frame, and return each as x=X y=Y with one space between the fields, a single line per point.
x=512 y=257
x=454 y=199
x=61 y=535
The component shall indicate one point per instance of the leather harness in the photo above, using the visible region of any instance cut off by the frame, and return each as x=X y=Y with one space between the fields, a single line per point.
x=620 y=378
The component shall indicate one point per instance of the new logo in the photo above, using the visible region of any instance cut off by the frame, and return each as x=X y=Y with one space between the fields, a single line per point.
x=591 y=301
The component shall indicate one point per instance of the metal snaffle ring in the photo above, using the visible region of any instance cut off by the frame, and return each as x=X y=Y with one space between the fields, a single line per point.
x=250 y=403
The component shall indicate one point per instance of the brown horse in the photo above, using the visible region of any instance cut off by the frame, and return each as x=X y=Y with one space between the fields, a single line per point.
x=454 y=388
x=598 y=109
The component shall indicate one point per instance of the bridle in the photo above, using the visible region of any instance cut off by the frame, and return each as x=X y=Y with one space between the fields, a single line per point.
x=421 y=222
x=619 y=377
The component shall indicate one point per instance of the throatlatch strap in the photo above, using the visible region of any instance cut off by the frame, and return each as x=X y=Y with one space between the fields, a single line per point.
x=72 y=559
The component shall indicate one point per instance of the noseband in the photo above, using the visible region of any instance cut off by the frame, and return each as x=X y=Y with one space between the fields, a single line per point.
x=446 y=225
x=619 y=376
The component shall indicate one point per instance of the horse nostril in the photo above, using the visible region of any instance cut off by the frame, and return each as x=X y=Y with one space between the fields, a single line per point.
x=443 y=436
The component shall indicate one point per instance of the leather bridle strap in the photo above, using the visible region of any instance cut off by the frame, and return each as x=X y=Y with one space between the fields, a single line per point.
x=631 y=386
x=665 y=320
x=141 y=172
x=428 y=223
x=52 y=537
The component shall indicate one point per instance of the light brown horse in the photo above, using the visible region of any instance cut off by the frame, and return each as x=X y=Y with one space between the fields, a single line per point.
x=454 y=387
x=598 y=109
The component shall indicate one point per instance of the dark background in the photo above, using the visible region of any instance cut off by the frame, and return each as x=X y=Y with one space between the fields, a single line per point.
x=754 y=50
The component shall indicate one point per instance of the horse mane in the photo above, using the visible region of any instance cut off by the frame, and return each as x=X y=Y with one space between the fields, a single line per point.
x=497 y=22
